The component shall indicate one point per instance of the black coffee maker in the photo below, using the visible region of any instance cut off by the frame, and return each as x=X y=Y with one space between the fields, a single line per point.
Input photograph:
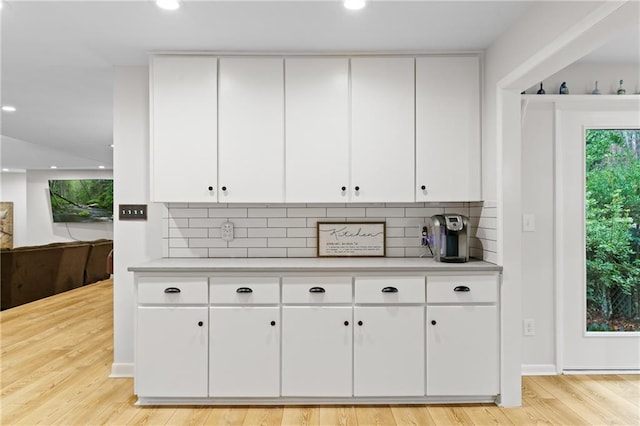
x=448 y=234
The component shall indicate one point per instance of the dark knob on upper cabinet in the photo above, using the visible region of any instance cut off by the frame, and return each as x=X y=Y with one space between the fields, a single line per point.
x=224 y=188
x=200 y=323
x=273 y=323
x=423 y=187
x=359 y=322
x=211 y=188
x=357 y=188
x=433 y=322
x=344 y=188
x=346 y=323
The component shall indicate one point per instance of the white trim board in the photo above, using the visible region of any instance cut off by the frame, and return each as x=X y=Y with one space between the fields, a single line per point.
x=539 y=370
x=122 y=370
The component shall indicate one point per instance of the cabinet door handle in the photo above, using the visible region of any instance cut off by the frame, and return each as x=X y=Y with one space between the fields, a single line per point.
x=462 y=288
x=357 y=188
x=433 y=322
x=224 y=188
x=172 y=290
x=389 y=290
x=423 y=187
x=346 y=323
x=344 y=188
x=200 y=323
x=211 y=188
x=316 y=290
x=273 y=323
x=244 y=290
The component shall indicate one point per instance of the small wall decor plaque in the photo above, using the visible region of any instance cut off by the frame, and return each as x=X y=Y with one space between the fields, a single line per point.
x=351 y=239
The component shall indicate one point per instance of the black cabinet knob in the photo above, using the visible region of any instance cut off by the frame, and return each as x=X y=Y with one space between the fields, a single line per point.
x=224 y=188
x=433 y=322
x=344 y=188
x=389 y=290
x=360 y=323
x=346 y=323
x=244 y=290
x=462 y=288
x=170 y=290
x=211 y=188
x=316 y=290
x=273 y=323
x=200 y=323
x=423 y=187
x=357 y=188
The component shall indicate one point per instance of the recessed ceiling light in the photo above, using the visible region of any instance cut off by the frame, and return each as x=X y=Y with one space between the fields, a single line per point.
x=355 y=4
x=4 y=170
x=112 y=145
x=168 y=4
x=101 y=167
x=53 y=167
x=8 y=108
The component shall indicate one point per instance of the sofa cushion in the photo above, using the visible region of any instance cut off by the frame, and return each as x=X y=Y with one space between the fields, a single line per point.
x=96 y=268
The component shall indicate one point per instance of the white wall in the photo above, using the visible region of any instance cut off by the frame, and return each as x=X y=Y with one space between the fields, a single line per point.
x=41 y=229
x=135 y=241
x=13 y=187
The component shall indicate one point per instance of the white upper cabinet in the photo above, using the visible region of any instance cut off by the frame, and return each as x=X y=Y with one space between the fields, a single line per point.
x=251 y=130
x=382 y=129
x=317 y=129
x=183 y=127
x=448 y=129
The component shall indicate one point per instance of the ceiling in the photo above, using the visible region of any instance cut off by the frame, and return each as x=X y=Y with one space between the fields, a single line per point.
x=58 y=57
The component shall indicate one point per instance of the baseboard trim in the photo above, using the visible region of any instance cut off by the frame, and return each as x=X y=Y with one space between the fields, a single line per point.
x=121 y=370
x=539 y=370
x=599 y=372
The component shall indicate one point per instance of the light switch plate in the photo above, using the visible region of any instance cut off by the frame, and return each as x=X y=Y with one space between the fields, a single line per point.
x=528 y=222
x=132 y=211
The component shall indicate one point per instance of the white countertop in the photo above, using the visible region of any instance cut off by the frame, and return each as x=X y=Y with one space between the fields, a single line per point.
x=310 y=264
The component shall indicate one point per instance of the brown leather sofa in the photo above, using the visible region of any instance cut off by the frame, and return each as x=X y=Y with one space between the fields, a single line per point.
x=34 y=272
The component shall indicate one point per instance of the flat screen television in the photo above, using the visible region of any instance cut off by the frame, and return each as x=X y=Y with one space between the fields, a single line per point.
x=81 y=200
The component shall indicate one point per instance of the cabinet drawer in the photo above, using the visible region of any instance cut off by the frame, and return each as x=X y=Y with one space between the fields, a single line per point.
x=172 y=291
x=316 y=290
x=244 y=290
x=389 y=289
x=462 y=289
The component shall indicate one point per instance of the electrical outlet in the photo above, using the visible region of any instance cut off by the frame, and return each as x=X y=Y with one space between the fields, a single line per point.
x=226 y=231
x=529 y=327
x=132 y=211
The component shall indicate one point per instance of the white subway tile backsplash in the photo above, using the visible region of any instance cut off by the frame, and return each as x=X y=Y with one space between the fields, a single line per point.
x=289 y=230
x=227 y=252
x=229 y=212
x=267 y=252
x=307 y=212
x=267 y=212
x=287 y=223
x=268 y=232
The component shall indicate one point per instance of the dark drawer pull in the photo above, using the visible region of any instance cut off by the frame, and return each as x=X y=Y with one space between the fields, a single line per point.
x=172 y=290
x=244 y=290
x=389 y=290
x=316 y=290
x=462 y=288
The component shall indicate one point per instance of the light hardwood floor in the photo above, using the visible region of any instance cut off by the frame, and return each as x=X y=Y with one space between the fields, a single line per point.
x=57 y=354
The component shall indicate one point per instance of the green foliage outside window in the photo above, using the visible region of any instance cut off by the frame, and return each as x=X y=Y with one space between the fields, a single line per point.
x=613 y=230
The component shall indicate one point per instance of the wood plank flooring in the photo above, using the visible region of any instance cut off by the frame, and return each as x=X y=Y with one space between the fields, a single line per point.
x=56 y=357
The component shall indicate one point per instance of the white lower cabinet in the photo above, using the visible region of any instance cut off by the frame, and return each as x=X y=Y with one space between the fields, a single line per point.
x=462 y=350
x=244 y=355
x=171 y=353
x=389 y=351
x=462 y=335
x=317 y=345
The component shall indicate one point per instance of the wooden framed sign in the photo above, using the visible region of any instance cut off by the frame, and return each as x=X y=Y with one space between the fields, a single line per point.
x=351 y=239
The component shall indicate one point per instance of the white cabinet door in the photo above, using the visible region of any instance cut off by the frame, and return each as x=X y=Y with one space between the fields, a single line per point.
x=317 y=344
x=244 y=359
x=251 y=130
x=383 y=142
x=317 y=129
x=389 y=351
x=462 y=350
x=171 y=352
x=448 y=129
x=183 y=112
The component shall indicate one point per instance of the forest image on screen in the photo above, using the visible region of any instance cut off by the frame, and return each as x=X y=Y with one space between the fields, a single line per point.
x=81 y=200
